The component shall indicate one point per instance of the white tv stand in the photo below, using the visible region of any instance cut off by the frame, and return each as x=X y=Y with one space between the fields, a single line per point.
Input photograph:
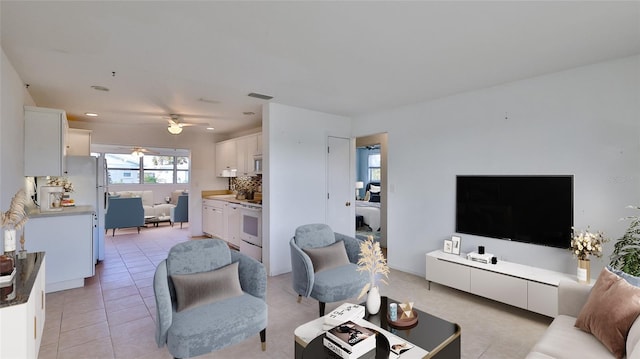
x=522 y=286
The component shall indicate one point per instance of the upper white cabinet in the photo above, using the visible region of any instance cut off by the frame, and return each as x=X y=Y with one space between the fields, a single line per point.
x=246 y=148
x=225 y=157
x=45 y=132
x=78 y=142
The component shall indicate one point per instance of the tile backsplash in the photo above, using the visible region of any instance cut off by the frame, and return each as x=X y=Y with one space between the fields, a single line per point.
x=246 y=183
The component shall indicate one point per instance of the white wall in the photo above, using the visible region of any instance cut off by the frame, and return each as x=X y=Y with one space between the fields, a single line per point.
x=201 y=145
x=294 y=176
x=13 y=96
x=583 y=122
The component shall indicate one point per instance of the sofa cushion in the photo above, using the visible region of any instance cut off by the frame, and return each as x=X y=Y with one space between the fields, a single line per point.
x=337 y=283
x=333 y=255
x=563 y=340
x=633 y=340
x=196 y=289
x=635 y=281
x=611 y=309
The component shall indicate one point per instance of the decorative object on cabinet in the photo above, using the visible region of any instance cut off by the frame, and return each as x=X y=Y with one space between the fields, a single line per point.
x=447 y=245
x=63 y=182
x=455 y=245
x=583 y=245
x=626 y=250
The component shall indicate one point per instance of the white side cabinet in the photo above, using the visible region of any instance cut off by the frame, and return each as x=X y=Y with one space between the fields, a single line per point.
x=67 y=238
x=526 y=287
x=45 y=136
x=22 y=324
x=78 y=142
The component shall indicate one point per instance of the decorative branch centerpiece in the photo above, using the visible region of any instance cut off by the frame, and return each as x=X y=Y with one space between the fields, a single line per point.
x=585 y=244
x=13 y=220
x=373 y=262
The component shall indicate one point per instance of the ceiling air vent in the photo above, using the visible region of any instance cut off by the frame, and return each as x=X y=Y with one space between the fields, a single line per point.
x=260 y=96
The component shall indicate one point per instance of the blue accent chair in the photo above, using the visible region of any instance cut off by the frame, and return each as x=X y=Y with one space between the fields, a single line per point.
x=210 y=326
x=330 y=285
x=180 y=213
x=124 y=212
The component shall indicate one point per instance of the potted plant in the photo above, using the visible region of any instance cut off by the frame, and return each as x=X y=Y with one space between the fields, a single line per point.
x=626 y=251
x=373 y=262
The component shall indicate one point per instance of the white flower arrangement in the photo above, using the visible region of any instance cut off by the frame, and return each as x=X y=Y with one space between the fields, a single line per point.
x=372 y=261
x=61 y=182
x=586 y=243
x=16 y=216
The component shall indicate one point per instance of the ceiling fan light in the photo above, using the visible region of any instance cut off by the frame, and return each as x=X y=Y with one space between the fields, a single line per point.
x=137 y=153
x=174 y=129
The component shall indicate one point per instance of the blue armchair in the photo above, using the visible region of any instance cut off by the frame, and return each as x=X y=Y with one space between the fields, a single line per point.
x=124 y=213
x=180 y=213
x=226 y=313
x=338 y=282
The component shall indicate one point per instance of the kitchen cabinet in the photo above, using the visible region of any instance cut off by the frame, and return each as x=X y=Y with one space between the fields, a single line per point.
x=246 y=149
x=259 y=144
x=226 y=160
x=78 y=142
x=213 y=218
x=22 y=324
x=45 y=136
x=67 y=238
x=232 y=221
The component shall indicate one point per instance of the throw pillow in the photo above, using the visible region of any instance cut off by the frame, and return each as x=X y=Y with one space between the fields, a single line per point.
x=375 y=197
x=374 y=189
x=197 y=289
x=333 y=255
x=612 y=307
x=635 y=281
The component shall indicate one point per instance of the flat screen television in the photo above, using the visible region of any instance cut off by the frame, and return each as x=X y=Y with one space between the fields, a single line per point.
x=530 y=209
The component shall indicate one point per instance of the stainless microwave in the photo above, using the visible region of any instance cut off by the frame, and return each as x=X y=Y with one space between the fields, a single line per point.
x=257 y=164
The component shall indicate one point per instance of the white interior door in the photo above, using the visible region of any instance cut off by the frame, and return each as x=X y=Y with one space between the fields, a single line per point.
x=340 y=188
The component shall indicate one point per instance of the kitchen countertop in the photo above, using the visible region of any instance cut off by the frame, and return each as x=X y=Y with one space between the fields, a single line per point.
x=20 y=287
x=231 y=198
x=34 y=212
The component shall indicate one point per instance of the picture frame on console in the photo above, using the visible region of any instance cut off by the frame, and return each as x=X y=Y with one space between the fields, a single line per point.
x=448 y=244
x=455 y=245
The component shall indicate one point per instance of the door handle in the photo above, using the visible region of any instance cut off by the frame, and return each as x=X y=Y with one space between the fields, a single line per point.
x=347 y=204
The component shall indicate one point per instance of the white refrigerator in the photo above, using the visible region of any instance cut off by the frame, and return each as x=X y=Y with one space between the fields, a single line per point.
x=88 y=176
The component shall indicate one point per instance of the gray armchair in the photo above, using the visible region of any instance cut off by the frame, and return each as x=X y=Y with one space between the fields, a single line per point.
x=124 y=213
x=180 y=213
x=336 y=283
x=219 y=320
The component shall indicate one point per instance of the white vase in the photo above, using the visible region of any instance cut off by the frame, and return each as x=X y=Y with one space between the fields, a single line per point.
x=9 y=240
x=373 y=300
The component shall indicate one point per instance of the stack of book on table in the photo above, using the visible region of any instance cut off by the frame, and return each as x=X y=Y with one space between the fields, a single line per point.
x=350 y=341
x=344 y=313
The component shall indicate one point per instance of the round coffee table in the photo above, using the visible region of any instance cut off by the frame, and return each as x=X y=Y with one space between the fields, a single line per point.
x=316 y=349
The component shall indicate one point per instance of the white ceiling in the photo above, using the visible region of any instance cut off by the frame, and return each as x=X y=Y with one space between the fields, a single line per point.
x=346 y=58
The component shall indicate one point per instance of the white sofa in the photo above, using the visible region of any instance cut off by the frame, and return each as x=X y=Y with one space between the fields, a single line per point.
x=563 y=340
x=151 y=209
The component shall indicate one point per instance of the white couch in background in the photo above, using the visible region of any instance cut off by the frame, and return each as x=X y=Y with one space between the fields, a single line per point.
x=151 y=209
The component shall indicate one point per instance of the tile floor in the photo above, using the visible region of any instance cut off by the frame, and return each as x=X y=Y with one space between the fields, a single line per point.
x=112 y=316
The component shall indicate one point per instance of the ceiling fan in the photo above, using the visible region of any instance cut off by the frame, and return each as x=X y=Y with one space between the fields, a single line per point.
x=139 y=151
x=176 y=123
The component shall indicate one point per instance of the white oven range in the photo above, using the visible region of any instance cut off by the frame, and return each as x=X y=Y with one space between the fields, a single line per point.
x=251 y=230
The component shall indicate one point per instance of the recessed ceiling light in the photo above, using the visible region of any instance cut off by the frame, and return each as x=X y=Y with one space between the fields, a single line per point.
x=210 y=128
x=91 y=114
x=260 y=96
x=248 y=113
x=100 y=88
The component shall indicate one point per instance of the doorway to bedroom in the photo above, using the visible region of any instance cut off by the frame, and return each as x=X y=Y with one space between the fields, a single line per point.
x=371 y=187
